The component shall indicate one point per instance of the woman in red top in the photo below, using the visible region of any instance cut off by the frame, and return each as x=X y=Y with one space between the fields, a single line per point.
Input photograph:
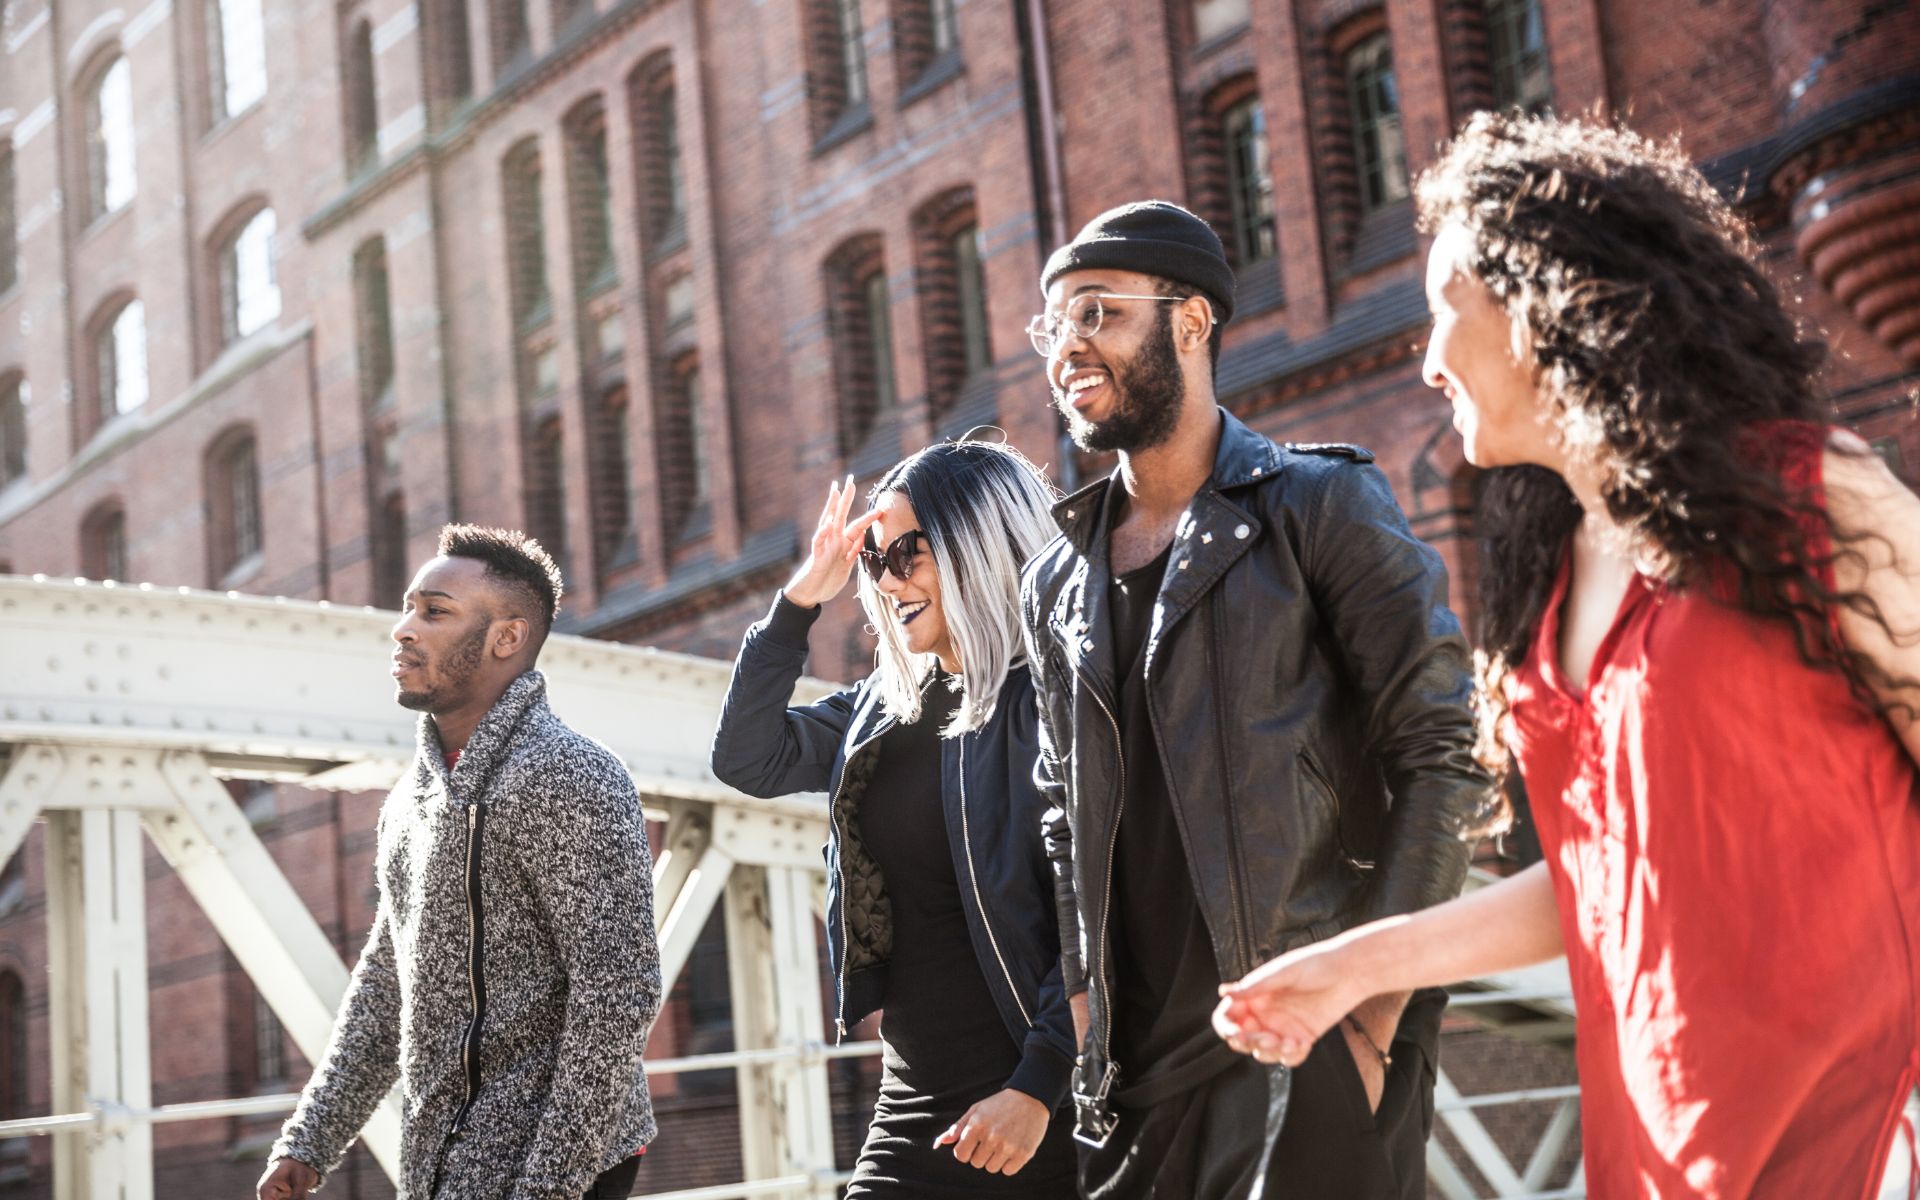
x=1702 y=639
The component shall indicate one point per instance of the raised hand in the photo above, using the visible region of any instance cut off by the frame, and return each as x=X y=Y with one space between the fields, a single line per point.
x=830 y=556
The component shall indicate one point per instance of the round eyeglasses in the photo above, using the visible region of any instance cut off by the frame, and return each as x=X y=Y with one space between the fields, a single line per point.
x=897 y=557
x=1081 y=318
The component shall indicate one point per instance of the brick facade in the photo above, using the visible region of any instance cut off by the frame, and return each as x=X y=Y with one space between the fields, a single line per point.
x=670 y=415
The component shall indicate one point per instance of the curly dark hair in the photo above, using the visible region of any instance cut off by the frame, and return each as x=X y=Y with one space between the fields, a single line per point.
x=1660 y=347
x=518 y=562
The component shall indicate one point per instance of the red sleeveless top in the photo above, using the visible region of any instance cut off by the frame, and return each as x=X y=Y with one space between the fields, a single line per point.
x=1734 y=843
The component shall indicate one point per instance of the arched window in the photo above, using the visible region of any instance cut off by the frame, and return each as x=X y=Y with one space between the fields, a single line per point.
x=662 y=188
x=391 y=568
x=236 y=56
x=233 y=503
x=686 y=475
x=450 y=49
x=362 y=107
x=860 y=304
x=103 y=542
x=1243 y=136
x=526 y=235
x=546 y=492
x=13 y=427
x=590 y=189
x=249 y=287
x=953 y=296
x=1517 y=45
x=120 y=361
x=609 y=482
x=837 y=74
x=110 y=170
x=374 y=304
x=1379 y=152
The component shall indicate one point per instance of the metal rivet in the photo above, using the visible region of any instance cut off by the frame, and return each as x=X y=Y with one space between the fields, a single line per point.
x=1184 y=562
x=1243 y=532
x=1071 y=514
x=1206 y=539
x=1256 y=472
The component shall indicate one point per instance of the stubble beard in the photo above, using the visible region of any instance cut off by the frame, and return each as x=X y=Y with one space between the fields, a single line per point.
x=461 y=665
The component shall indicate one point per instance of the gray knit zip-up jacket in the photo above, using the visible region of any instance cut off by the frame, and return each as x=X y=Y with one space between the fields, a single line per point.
x=569 y=980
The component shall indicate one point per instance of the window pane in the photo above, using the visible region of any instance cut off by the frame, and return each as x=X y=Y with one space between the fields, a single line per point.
x=243 y=58
x=853 y=60
x=128 y=380
x=113 y=134
x=270 y=1049
x=945 y=36
x=1249 y=182
x=679 y=301
x=256 y=300
x=973 y=298
x=593 y=203
x=376 y=318
x=1519 y=51
x=880 y=335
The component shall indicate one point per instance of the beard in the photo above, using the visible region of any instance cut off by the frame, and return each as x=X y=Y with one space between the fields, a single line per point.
x=1150 y=389
x=450 y=683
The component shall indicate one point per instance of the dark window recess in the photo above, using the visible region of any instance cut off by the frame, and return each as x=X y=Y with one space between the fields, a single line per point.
x=684 y=466
x=13 y=429
x=609 y=485
x=1373 y=95
x=9 y=222
x=13 y=1033
x=952 y=292
x=374 y=314
x=526 y=236
x=233 y=493
x=860 y=314
x=591 y=200
x=512 y=38
x=546 y=501
x=837 y=62
x=391 y=568
x=103 y=543
x=363 y=114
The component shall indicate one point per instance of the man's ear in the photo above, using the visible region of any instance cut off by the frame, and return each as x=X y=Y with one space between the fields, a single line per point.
x=511 y=636
x=1195 y=319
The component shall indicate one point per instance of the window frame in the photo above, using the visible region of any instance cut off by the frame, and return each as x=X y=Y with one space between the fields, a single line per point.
x=1379 y=159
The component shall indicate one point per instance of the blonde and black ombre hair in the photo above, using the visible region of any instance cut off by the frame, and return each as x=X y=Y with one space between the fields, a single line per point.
x=985 y=511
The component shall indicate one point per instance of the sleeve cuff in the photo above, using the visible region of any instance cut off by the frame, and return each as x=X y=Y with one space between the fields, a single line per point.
x=1044 y=1073
x=788 y=624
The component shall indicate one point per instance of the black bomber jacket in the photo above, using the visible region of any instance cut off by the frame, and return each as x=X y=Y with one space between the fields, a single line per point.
x=994 y=826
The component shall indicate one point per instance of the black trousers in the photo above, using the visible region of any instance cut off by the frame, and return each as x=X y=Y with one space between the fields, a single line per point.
x=616 y=1182
x=1205 y=1143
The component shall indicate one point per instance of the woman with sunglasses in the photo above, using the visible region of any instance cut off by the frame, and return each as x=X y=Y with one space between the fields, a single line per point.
x=939 y=894
x=1702 y=640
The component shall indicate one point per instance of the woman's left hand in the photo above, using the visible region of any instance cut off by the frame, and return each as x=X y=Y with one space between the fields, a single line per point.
x=998 y=1134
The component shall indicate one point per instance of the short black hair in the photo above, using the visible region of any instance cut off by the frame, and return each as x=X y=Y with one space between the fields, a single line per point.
x=1185 y=291
x=517 y=561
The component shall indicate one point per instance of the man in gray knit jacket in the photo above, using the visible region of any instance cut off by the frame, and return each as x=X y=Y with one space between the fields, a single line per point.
x=512 y=972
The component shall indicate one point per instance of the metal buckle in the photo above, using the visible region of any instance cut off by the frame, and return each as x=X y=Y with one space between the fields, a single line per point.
x=1093 y=1121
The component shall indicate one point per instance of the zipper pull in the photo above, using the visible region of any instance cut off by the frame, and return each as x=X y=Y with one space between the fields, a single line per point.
x=839 y=1031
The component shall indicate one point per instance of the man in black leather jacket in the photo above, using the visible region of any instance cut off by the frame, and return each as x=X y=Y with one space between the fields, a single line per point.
x=1255 y=734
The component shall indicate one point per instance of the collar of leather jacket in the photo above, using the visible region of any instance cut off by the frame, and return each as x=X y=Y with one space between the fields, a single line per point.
x=1243 y=458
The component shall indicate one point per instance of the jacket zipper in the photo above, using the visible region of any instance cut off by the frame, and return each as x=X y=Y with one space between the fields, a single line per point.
x=476 y=986
x=1360 y=866
x=846 y=947
x=1242 y=945
x=1113 y=843
x=966 y=846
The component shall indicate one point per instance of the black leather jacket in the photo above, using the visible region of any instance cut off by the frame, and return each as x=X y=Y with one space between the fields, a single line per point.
x=1308 y=690
x=994 y=827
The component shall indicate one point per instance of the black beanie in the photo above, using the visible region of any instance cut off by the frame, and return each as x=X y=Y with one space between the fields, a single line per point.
x=1153 y=237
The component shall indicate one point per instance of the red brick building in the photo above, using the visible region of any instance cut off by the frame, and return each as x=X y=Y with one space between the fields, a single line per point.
x=286 y=284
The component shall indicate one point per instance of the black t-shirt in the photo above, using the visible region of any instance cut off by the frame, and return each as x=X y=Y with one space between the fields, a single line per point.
x=941 y=1025
x=1166 y=980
